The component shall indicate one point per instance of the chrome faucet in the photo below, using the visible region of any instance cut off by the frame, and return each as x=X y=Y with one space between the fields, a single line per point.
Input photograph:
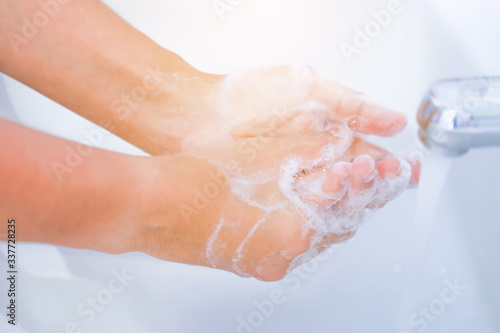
x=459 y=114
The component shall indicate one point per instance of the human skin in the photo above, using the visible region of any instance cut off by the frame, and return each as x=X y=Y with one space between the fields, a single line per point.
x=91 y=61
x=117 y=203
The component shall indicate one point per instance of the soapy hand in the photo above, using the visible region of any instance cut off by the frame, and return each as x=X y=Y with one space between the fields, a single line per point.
x=261 y=206
x=290 y=174
x=273 y=102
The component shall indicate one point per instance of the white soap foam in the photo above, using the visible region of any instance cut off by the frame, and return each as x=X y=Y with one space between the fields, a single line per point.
x=239 y=251
x=211 y=242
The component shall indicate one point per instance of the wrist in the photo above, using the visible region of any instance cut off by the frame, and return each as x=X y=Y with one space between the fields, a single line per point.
x=182 y=98
x=175 y=223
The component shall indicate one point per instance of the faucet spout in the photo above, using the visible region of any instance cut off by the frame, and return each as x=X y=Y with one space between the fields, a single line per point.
x=459 y=114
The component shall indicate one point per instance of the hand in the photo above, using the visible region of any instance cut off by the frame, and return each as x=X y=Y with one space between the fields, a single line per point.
x=264 y=102
x=242 y=206
x=153 y=99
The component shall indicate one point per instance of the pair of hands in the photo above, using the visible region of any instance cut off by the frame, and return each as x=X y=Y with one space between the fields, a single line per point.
x=273 y=170
x=267 y=167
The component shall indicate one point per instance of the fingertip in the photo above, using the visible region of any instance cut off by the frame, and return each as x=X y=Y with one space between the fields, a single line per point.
x=363 y=115
x=363 y=173
x=416 y=167
x=389 y=167
x=379 y=122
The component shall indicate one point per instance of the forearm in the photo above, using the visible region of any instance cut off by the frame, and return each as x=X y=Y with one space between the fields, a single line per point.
x=91 y=61
x=88 y=203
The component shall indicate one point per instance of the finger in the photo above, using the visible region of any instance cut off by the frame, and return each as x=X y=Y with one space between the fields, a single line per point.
x=387 y=164
x=395 y=177
x=337 y=178
x=367 y=118
x=364 y=117
x=389 y=167
x=416 y=167
x=363 y=173
x=334 y=187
